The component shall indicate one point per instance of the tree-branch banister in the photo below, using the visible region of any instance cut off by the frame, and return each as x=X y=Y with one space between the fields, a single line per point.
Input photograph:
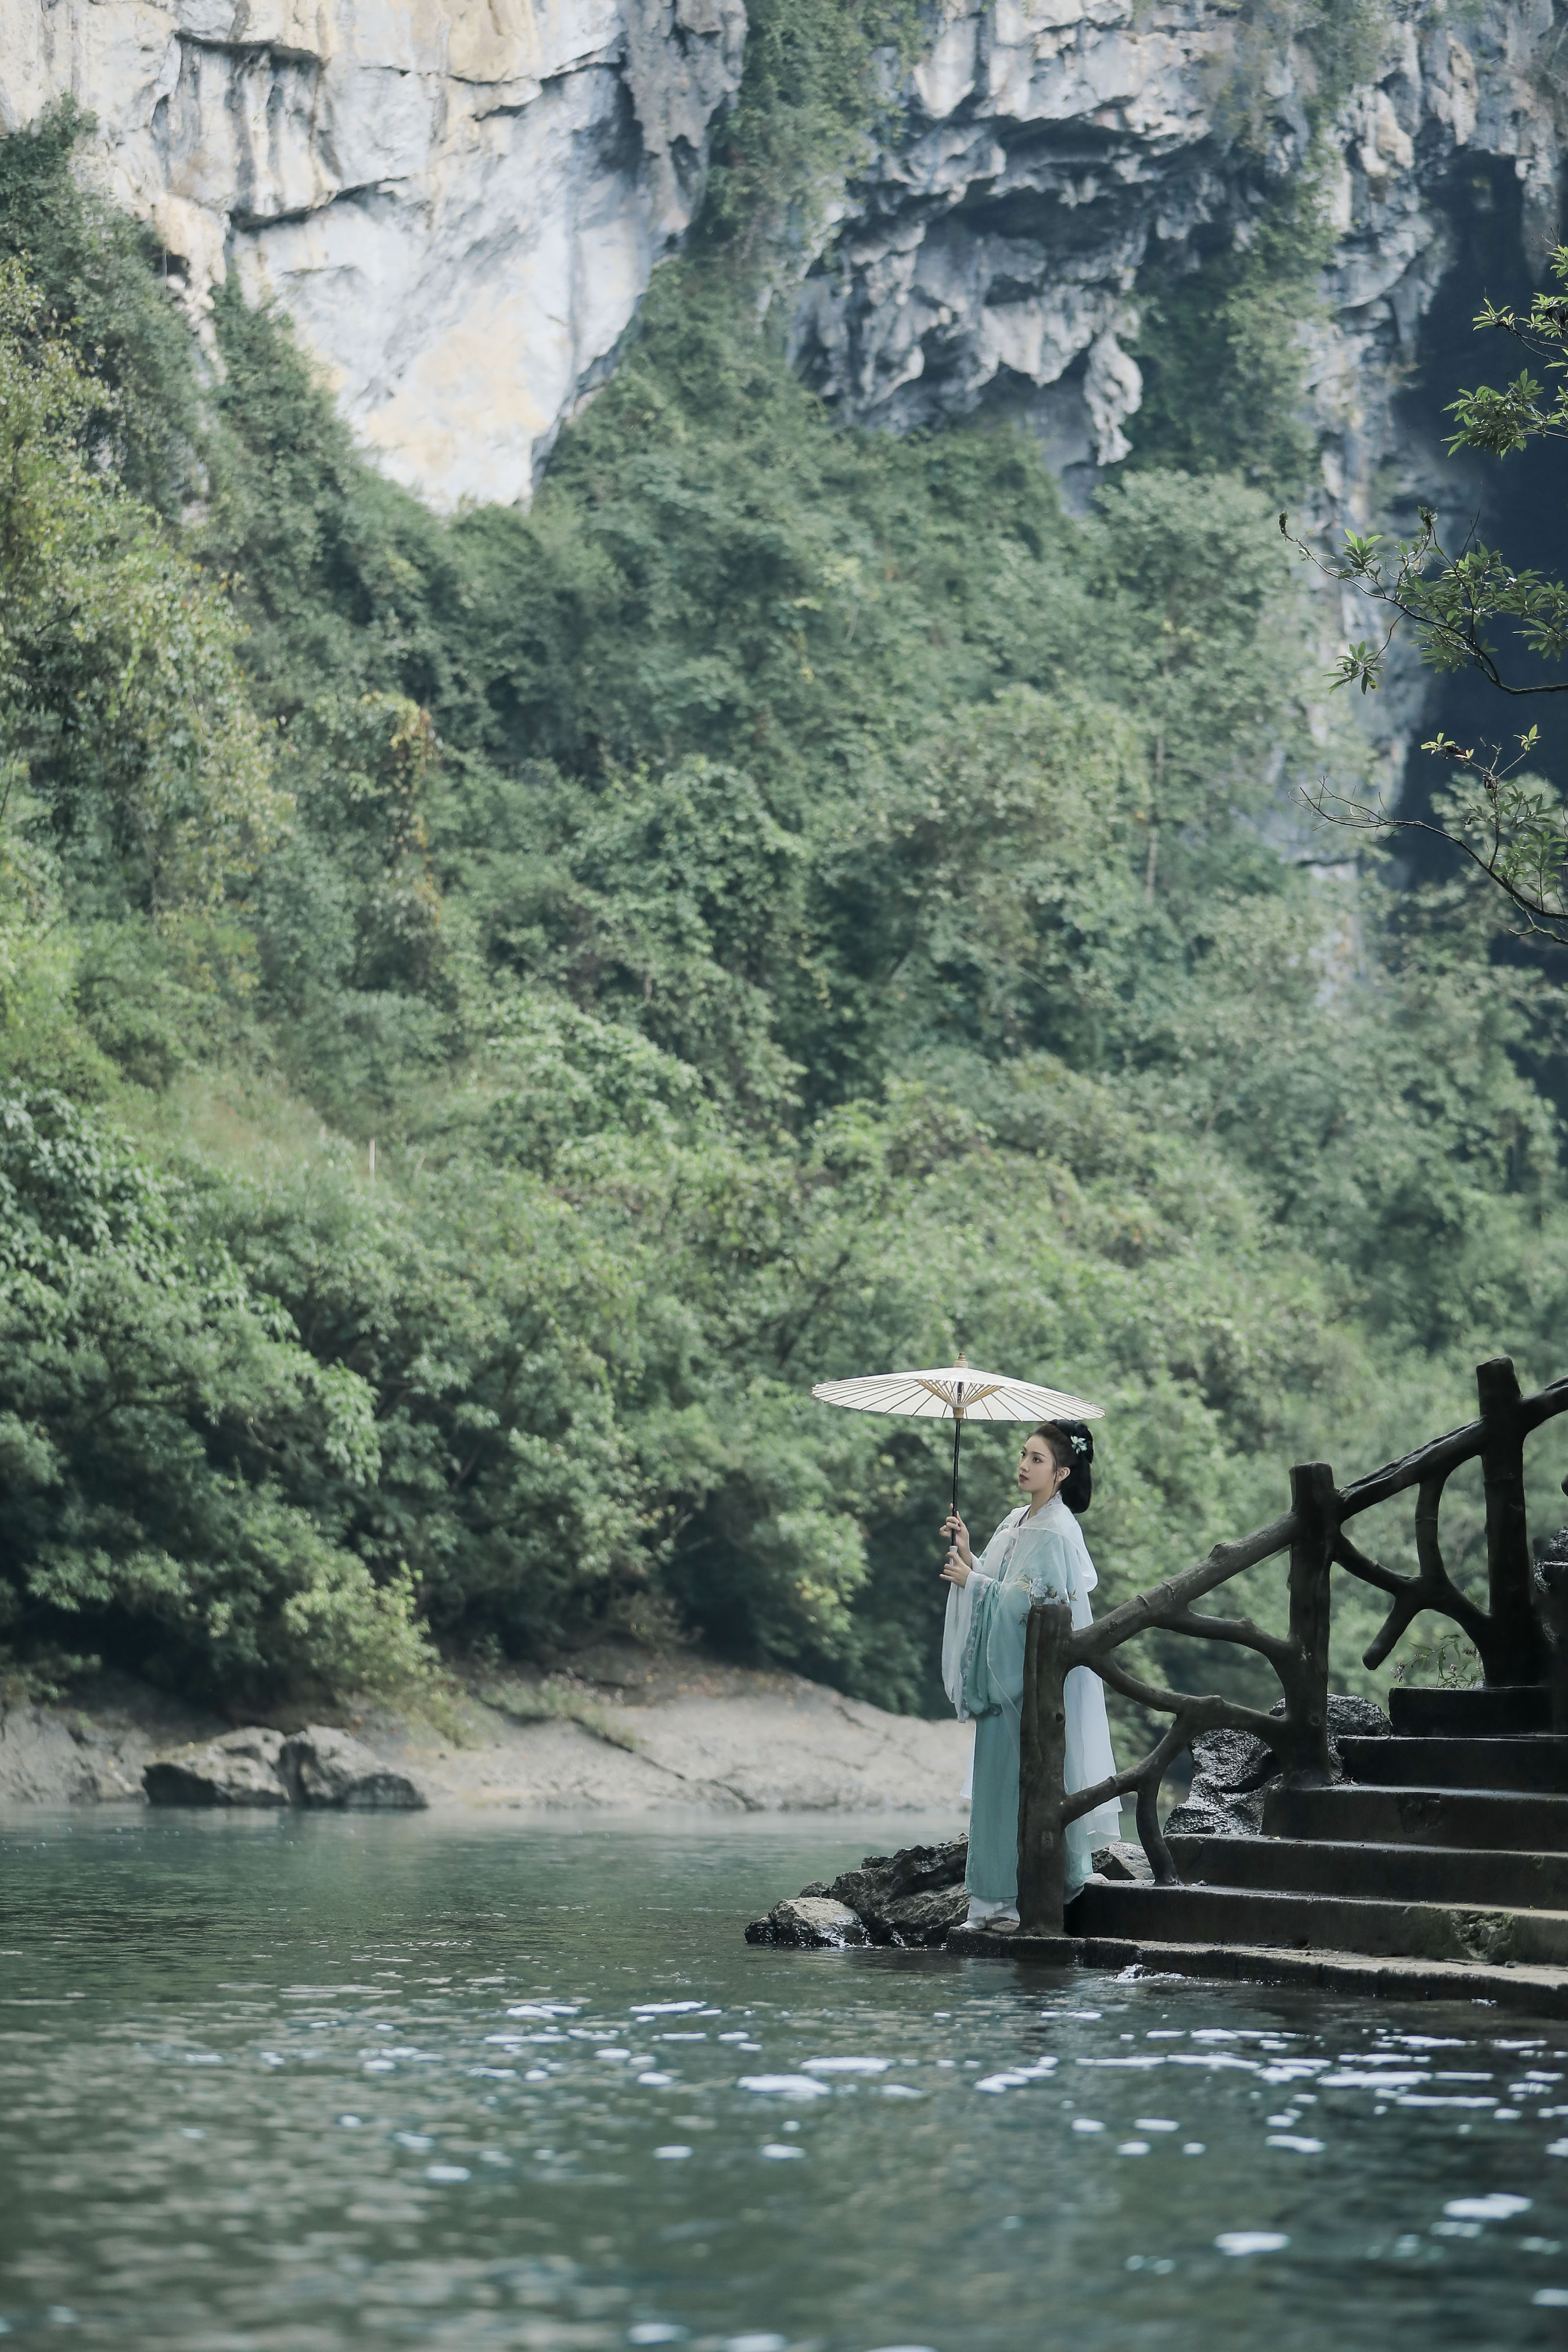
x=1521 y=1637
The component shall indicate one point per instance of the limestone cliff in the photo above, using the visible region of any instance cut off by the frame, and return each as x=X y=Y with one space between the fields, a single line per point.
x=459 y=201
x=1050 y=153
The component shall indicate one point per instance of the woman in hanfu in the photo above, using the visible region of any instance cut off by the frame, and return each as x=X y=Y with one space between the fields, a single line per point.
x=1036 y=1554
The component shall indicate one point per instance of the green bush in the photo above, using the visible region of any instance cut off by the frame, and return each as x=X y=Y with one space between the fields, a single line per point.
x=166 y=1444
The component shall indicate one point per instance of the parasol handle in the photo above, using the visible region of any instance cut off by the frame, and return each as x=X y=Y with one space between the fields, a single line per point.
x=957 y=1441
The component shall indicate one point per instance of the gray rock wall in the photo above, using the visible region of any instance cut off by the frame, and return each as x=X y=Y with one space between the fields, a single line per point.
x=1051 y=151
x=459 y=201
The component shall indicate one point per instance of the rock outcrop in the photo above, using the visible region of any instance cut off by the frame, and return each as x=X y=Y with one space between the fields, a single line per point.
x=912 y=1896
x=459 y=201
x=1231 y=1771
x=55 y=1756
x=808 y=1923
x=1123 y=1865
x=318 y=1766
x=241 y=1767
x=324 y=1767
x=909 y=1898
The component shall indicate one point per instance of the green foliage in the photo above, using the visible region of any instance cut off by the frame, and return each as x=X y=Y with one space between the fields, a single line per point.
x=120 y=697
x=1223 y=346
x=1223 y=349
x=810 y=96
x=341 y=578
x=140 y=372
x=166 y=1444
x=793 y=901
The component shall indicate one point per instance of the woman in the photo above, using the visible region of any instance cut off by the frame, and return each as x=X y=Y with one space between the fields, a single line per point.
x=1035 y=1554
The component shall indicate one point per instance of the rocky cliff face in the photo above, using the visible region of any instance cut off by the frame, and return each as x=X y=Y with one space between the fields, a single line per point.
x=1051 y=150
x=461 y=200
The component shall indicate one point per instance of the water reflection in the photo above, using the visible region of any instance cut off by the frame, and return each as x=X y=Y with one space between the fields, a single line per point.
x=307 y=2083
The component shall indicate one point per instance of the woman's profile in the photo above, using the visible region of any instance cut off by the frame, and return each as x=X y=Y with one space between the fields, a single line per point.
x=1036 y=1554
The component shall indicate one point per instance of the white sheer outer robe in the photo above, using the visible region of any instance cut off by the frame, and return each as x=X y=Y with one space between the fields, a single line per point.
x=1030 y=1558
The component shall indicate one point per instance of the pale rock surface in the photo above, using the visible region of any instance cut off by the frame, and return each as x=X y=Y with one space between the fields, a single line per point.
x=241 y=1767
x=646 y=1736
x=725 y=1738
x=808 y=1923
x=51 y=1755
x=459 y=201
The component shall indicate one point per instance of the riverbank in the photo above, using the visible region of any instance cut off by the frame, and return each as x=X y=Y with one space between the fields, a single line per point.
x=622 y=1732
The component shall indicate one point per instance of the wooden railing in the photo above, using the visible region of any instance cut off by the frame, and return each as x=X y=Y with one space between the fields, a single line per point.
x=1521 y=1636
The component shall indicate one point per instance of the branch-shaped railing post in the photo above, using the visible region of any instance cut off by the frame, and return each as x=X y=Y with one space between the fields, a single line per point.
x=1304 y=1678
x=1516 y=1651
x=1042 y=1769
x=1552 y=1606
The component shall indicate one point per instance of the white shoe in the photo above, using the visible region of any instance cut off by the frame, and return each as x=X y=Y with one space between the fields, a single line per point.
x=991 y=1916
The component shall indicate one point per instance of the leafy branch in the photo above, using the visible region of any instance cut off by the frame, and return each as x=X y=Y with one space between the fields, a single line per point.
x=1451 y=601
x=1512 y=828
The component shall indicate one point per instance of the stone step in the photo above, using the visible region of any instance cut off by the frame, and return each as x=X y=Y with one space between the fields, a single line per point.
x=1252 y=1915
x=1488 y=1818
x=1538 y=1992
x=1397 y=1872
x=1476 y=1714
x=1531 y=1761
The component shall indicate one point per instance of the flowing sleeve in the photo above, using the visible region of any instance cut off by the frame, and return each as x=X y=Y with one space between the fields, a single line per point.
x=1089 y=1758
x=955 y=1640
x=968 y=1609
x=1084 y=1578
x=1039 y=1574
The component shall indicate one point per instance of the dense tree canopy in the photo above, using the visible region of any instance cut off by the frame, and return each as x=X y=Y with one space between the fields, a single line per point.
x=790 y=903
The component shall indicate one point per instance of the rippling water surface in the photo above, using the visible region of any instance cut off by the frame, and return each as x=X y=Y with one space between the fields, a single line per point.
x=303 y=2084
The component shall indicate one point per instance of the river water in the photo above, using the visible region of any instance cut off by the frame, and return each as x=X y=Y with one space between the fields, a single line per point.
x=292 y=2083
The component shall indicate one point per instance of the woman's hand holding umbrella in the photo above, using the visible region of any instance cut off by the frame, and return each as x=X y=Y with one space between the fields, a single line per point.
x=960 y=1559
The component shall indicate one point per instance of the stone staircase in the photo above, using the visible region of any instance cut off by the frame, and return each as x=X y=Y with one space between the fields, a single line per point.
x=1439 y=1866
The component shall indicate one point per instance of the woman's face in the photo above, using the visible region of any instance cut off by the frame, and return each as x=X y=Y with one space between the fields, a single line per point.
x=1038 y=1476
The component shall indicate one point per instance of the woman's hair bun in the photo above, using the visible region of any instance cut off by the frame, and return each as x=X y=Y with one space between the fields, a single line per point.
x=1073 y=1445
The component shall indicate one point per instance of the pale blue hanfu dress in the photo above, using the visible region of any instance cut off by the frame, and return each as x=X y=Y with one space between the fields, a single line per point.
x=1030 y=1558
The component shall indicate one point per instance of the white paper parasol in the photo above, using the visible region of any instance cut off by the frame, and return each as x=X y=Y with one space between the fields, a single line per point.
x=957 y=1392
